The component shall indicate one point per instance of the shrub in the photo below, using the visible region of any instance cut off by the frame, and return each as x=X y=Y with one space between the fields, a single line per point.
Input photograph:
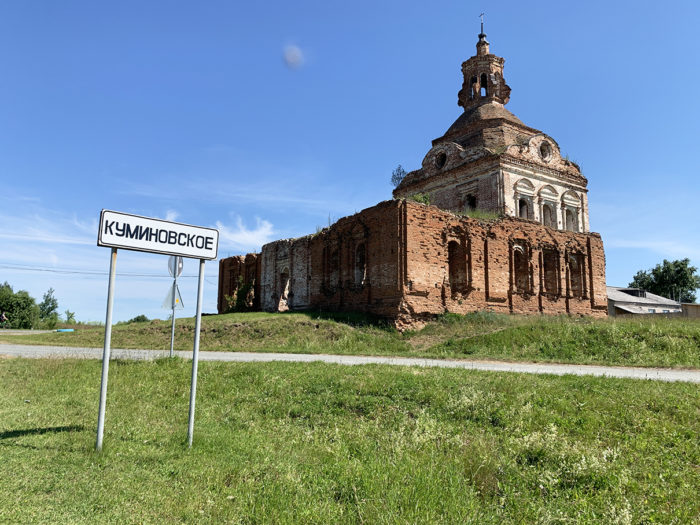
x=423 y=198
x=242 y=298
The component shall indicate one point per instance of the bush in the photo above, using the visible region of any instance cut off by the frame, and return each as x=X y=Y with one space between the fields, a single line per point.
x=242 y=298
x=423 y=198
x=139 y=319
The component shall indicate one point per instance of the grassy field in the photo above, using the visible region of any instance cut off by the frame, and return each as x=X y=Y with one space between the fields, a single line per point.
x=633 y=342
x=316 y=443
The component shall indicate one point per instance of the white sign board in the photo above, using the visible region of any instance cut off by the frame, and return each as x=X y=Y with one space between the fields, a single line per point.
x=144 y=234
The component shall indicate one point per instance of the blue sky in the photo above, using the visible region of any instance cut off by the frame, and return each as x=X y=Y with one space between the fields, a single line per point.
x=189 y=111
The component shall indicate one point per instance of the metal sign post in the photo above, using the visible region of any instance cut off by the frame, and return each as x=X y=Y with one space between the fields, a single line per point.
x=175 y=269
x=145 y=234
x=195 y=353
x=106 y=351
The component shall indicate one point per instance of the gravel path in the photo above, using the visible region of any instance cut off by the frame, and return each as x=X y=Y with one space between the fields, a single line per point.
x=659 y=374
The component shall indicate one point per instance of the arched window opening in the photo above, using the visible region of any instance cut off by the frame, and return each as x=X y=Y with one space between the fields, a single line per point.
x=360 y=265
x=521 y=268
x=470 y=202
x=577 y=275
x=484 y=85
x=326 y=266
x=284 y=291
x=571 y=205
x=233 y=284
x=548 y=216
x=473 y=88
x=550 y=271
x=457 y=262
x=334 y=266
x=331 y=265
x=523 y=209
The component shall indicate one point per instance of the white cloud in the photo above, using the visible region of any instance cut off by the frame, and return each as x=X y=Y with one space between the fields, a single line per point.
x=228 y=192
x=86 y=226
x=171 y=215
x=46 y=227
x=39 y=236
x=667 y=248
x=242 y=238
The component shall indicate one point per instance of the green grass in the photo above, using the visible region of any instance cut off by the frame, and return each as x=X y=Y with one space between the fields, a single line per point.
x=317 y=443
x=633 y=342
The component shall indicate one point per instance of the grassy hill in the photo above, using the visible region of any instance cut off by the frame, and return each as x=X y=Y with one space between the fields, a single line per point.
x=318 y=443
x=633 y=342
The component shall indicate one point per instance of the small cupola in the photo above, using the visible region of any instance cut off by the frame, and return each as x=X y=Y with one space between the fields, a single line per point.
x=483 y=77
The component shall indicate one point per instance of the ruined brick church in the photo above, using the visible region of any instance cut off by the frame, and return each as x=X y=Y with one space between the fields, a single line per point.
x=407 y=261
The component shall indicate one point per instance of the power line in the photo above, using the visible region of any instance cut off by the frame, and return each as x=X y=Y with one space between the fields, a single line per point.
x=67 y=271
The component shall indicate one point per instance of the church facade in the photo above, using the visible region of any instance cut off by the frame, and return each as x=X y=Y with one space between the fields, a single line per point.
x=531 y=252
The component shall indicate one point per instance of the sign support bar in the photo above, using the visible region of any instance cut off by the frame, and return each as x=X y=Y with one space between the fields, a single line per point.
x=107 y=350
x=195 y=353
x=172 y=328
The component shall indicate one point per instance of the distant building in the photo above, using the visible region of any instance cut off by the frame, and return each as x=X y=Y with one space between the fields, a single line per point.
x=691 y=310
x=625 y=301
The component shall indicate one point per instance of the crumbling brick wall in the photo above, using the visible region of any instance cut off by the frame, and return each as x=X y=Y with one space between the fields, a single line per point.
x=352 y=265
x=408 y=262
x=235 y=272
x=507 y=263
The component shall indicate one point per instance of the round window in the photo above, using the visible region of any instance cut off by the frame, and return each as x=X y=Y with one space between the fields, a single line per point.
x=440 y=160
x=545 y=151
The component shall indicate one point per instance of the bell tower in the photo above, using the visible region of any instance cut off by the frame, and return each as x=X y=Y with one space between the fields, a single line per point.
x=489 y=160
x=483 y=77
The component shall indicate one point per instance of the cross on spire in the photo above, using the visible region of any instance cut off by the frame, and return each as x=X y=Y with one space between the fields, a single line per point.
x=482 y=22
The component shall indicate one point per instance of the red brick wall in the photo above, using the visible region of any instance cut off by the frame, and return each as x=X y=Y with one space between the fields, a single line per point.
x=324 y=267
x=237 y=270
x=406 y=273
x=490 y=263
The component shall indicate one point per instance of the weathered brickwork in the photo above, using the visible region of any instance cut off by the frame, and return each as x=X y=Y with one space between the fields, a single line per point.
x=235 y=272
x=460 y=264
x=408 y=262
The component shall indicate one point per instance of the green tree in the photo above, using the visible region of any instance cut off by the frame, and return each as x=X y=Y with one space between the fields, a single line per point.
x=48 y=309
x=6 y=294
x=25 y=312
x=20 y=307
x=397 y=175
x=6 y=297
x=70 y=316
x=672 y=279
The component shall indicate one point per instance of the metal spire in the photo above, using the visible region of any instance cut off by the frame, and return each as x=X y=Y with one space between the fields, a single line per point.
x=482 y=35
